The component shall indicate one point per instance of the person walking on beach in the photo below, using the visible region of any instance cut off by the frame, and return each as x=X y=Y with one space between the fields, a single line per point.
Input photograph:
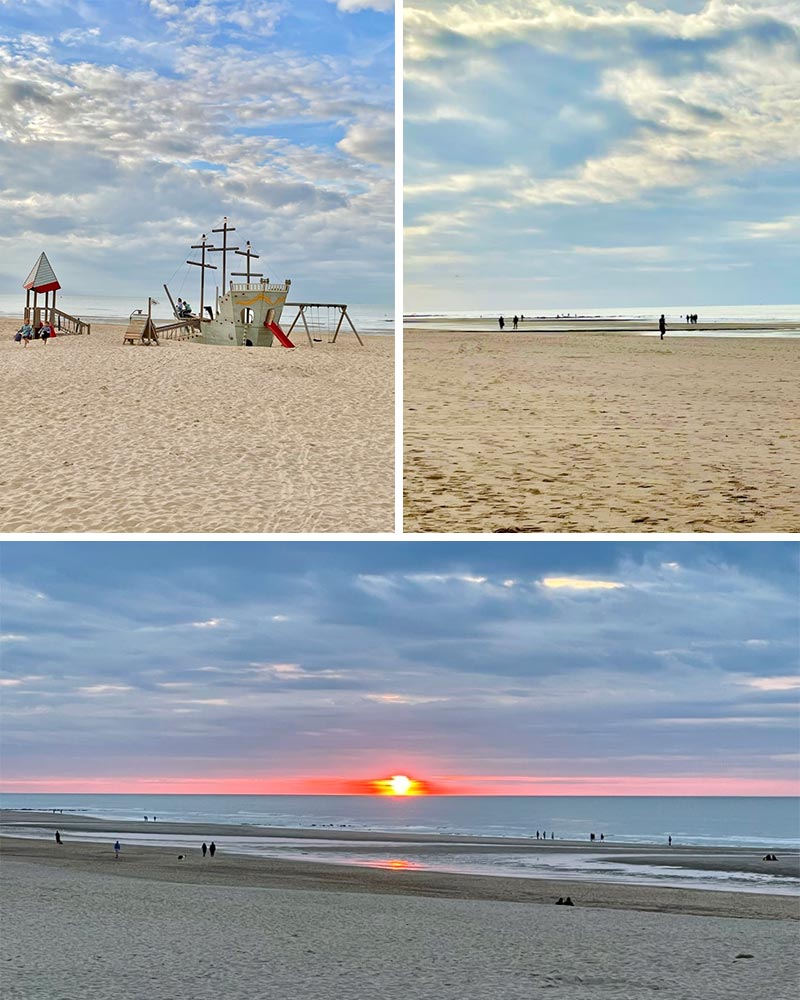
x=205 y=848
x=662 y=326
x=212 y=850
x=502 y=323
x=669 y=841
x=516 y=321
x=117 y=849
x=58 y=837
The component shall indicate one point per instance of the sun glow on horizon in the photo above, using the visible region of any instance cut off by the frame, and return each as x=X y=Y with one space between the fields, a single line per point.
x=398 y=784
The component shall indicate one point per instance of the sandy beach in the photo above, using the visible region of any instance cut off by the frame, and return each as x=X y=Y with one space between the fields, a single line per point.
x=78 y=923
x=586 y=431
x=183 y=437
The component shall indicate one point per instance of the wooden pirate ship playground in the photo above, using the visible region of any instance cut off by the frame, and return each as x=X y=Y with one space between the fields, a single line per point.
x=245 y=313
x=42 y=281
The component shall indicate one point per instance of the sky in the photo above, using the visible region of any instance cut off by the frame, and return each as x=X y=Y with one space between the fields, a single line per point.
x=480 y=667
x=130 y=128
x=561 y=154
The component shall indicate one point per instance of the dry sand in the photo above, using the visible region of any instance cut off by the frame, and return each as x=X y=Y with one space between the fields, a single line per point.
x=98 y=436
x=78 y=924
x=582 y=432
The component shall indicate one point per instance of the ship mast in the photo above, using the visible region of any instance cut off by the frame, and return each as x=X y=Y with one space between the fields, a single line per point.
x=203 y=247
x=224 y=249
x=248 y=253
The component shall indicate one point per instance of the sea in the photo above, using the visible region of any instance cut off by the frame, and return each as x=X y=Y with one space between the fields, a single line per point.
x=760 y=824
x=674 y=315
x=116 y=309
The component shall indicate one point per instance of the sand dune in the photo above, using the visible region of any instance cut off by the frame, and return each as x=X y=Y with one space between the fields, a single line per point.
x=600 y=432
x=98 y=436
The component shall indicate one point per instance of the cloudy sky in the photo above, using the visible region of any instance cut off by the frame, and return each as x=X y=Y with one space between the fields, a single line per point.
x=128 y=128
x=568 y=153
x=481 y=667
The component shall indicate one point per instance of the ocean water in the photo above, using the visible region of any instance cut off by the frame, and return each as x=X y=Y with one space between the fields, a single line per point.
x=755 y=824
x=703 y=822
x=116 y=309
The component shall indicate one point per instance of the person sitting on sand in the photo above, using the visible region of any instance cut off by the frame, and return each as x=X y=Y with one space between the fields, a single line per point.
x=117 y=849
x=568 y=901
x=560 y=901
x=662 y=327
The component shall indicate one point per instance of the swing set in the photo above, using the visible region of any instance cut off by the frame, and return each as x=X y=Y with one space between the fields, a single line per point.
x=321 y=319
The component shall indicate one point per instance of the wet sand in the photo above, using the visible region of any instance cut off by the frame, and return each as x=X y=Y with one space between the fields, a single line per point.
x=589 y=431
x=78 y=923
x=99 y=436
x=416 y=848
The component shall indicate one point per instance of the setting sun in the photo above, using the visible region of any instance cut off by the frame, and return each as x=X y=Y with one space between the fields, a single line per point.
x=399 y=784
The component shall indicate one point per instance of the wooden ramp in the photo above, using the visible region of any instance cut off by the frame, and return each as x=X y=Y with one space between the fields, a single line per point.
x=141 y=330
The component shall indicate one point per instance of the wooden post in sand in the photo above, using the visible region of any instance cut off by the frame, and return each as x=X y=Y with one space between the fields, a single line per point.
x=203 y=247
x=224 y=249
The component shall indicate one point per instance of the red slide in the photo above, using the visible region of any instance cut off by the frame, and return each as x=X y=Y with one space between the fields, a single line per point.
x=278 y=334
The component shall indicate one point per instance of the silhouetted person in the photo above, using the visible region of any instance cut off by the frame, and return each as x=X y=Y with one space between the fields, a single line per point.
x=552 y=836
x=205 y=848
x=662 y=326
x=212 y=850
x=58 y=837
x=560 y=901
x=669 y=840
x=591 y=836
x=117 y=849
x=537 y=834
x=602 y=836
x=568 y=901
x=516 y=322
x=502 y=322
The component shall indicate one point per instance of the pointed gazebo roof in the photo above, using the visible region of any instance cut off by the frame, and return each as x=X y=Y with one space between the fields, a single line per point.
x=42 y=277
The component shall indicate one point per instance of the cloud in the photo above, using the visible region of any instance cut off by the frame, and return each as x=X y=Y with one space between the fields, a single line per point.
x=402 y=699
x=105 y=689
x=210 y=623
x=12 y=637
x=577 y=583
x=353 y=6
x=786 y=683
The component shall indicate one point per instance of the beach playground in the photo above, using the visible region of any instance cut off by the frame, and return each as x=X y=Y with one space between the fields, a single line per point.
x=186 y=437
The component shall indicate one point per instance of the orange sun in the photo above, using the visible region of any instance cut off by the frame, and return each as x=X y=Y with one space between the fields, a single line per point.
x=398 y=784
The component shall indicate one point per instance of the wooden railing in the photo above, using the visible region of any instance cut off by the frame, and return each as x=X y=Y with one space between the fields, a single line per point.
x=63 y=322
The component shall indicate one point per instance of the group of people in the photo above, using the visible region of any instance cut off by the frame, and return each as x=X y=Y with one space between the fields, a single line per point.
x=593 y=836
x=564 y=902
x=691 y=318
x=183 y=309
x=210 y=848
x=26 y=333
x=544 y=835
x=515 y=321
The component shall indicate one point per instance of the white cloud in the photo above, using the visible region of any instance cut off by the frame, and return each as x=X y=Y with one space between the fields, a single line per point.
x=353 y=6
x=578 y=583
x=211 y=623
x=403 y=699
x=105 y=689
x=784 y=683
x=12 y=637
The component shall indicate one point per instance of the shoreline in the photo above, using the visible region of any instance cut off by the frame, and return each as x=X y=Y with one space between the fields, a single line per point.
x=162 y=864
x=426 y=855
